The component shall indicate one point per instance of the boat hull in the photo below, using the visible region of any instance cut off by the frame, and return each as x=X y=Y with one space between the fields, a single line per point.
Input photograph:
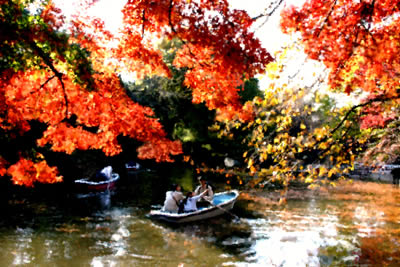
x=202 y=214
x=85 y=185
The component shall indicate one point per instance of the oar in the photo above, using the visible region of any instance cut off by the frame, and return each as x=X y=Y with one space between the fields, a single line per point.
x=224 y=210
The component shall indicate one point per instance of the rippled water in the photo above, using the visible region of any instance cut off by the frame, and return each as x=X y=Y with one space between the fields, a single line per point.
x=341 y=227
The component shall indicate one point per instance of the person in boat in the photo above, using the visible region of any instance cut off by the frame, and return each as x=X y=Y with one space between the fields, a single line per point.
x=190 y=202
x=204 y=187
x=103 y=175
x=396 y=176
x=173 y=198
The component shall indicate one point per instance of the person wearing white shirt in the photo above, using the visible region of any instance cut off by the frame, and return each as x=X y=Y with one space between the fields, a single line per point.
x=190 y=202
x=173 y=198
x=204 y=186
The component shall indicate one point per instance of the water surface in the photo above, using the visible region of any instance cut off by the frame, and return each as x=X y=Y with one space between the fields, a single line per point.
x=350 y=225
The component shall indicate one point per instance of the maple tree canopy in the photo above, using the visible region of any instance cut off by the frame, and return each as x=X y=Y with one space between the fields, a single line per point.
x=357 y=40
x=66 y=75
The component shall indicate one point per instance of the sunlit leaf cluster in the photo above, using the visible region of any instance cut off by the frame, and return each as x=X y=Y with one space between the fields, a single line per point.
x=358 y=42
x=295 y=137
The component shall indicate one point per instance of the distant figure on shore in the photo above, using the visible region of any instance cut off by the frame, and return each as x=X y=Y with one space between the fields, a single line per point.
x=396 y=176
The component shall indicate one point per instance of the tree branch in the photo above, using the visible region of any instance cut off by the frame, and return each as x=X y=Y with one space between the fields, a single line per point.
x=49 y=62
x=48 y=80
x=144 y=21
x=378 y=99
x=327 y=17
x=171 y=5
x=269 y=13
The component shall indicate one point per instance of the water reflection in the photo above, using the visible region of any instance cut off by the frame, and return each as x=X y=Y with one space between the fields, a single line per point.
x=133 y=240
x=23 y=242
x=290 y=238
x=95 y=200
x=348 y=226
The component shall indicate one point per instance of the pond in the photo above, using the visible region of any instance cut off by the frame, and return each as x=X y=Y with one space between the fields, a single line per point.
x=350 y=225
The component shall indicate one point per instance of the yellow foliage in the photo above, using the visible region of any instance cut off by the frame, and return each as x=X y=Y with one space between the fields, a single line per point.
x=309 y=180
x=323 y=145
x=313 y=186
x=250 y=163
x=322 y=171
x=269 y=149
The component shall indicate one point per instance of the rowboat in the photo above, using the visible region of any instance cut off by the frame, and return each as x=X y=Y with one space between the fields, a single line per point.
x=88 y=185
x=222 y=203
x=132 y=167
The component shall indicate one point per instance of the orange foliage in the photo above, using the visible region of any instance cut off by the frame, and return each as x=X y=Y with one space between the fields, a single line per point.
x=217 y=67
x=357 y=40
x=3 y=164
x=70 y=82
x=218 y=49
x=26 y=172
x=110 y=110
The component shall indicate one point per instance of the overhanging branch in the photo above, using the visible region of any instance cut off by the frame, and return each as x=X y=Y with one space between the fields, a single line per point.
x=48 y=61
x=369 y=102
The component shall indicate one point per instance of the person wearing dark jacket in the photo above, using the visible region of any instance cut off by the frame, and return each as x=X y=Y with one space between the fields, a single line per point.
x=396 y=176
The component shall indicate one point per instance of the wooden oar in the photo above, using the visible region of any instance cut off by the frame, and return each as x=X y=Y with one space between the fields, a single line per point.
x=224 y=210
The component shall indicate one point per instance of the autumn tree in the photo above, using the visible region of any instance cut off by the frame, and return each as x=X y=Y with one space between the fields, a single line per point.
x=298 y=135
x=286 y=144
x=358 y=42
x=65 y=75
x=182 y=119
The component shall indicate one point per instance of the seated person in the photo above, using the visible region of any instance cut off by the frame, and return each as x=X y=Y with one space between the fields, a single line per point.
x=396 y=176
x=204 y=187
x=173 y=198
x=190 y=202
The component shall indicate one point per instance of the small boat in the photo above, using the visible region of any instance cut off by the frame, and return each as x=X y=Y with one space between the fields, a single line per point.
x=222 y=203
x=88 y=185
x=132 y=166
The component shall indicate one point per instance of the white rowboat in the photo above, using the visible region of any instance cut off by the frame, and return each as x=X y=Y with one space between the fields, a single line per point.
x=222 y=203
x=88 y=185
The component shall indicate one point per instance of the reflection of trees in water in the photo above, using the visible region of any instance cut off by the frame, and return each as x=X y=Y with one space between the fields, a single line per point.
x=363 y=217
x=353 y=223
x=371 y=212
x=222 y=232
x=380 y=249
x=374 y=209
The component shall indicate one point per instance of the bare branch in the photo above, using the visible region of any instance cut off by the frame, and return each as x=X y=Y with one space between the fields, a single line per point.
x=327 y=18
x=144 y=21
x=171 y=5
x=268 y=14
